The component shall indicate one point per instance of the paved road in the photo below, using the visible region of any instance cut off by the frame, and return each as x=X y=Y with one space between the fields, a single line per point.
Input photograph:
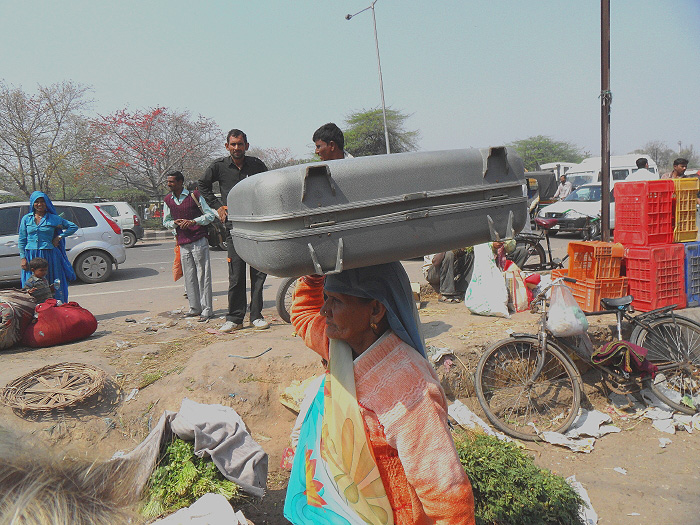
x=143 y=285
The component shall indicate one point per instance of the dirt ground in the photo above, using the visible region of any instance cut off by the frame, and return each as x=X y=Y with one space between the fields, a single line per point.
x=169 y=358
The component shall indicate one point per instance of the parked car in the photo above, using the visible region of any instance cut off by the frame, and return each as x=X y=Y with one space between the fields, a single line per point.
x=127 y=219
x=572 y=213
x=94 y=250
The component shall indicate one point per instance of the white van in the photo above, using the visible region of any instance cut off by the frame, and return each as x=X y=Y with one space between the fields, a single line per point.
x=621 y=166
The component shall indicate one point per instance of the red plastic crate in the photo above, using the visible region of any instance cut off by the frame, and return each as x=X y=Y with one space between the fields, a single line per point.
x=589 y=292
x=595 y=259
x=644 y=212
x=656 y=276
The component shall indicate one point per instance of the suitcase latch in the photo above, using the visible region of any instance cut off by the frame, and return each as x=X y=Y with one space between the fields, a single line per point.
x=414 y=196
x=317 y=221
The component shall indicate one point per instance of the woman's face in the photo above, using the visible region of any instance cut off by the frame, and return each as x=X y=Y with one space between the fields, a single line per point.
x=348 y=319
x=40 y=206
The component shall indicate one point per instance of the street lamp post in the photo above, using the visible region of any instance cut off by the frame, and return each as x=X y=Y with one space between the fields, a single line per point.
x=379 y=64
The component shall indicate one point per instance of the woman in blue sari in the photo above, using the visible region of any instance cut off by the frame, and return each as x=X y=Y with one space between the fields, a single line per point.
x=42 y=233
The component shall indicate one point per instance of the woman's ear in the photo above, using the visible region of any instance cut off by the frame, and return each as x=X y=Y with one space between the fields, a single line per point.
x=378 y=311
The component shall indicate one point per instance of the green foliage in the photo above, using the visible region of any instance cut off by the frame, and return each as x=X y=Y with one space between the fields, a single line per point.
x=153 y=224
x=130 y=195
x=540 y=150
x=182 y=478
x=11 y=198
x=509 y=489
x=365 y=133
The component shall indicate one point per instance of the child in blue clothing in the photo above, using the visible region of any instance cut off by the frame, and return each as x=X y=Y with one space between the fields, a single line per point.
x=37 y=285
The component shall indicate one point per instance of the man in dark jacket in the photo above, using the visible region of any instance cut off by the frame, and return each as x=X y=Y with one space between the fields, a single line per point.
x=229 y=171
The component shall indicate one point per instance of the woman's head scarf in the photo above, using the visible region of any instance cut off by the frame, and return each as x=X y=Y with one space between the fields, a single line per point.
x=388 y=284
x=40 y=194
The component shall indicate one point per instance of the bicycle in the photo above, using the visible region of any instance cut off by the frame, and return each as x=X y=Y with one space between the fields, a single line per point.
x=540 y=260
x=283 y=300
x=528 y=383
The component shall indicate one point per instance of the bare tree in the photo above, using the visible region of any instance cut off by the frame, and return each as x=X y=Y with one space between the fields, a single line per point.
x=276 y=157
x=37 y=133
x=138 y=149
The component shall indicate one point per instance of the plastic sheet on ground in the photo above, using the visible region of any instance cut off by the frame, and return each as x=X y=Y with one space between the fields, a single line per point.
x=210 y=509
x=577 y=445
x=586 y=512
x=663 y=442
x=436 y=353
x=593 y=423
x=293 y=395
x=468 y=419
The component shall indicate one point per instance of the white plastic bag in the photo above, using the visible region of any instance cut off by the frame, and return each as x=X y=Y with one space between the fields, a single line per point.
x=487 y=293
x=565 y=317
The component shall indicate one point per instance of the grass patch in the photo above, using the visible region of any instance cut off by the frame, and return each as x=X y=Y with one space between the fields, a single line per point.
x=509 y=489
x=254 y=379
x=181 y=478
x=149 y=378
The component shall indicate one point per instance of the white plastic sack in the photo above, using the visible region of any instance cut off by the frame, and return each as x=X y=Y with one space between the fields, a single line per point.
x=565 y=317
x=487 y=293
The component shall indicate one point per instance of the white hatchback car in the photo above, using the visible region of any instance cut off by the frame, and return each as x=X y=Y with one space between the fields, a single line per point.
x=94 y=250
x=127 y=219
x=572 y=213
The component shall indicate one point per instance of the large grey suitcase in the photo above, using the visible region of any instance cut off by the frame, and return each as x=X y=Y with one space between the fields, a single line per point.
x=328 y=216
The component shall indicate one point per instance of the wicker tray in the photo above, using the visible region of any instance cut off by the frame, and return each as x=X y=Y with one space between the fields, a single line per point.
x=53 y=387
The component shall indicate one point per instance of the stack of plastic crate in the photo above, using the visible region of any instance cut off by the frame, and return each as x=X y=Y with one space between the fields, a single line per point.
x=685 y=230
x=596 y=267
x=644 y=223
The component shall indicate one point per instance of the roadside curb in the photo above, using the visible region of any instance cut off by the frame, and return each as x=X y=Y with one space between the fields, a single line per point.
x=153 y=235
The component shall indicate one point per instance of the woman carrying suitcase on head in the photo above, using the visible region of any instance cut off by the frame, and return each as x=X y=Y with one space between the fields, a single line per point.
x=374 y=446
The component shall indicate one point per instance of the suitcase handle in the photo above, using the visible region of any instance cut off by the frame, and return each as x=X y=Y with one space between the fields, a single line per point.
x=317 y=171
x=338 y=261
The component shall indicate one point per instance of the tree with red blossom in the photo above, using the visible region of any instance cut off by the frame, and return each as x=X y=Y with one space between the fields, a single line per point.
x=138 y=149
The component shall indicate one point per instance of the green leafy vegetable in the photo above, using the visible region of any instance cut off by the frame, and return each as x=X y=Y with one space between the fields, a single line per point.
x=509 y=489
x=181 y=478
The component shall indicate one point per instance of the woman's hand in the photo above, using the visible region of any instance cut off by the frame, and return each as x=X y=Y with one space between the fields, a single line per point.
x=23 y=264
x=56 y=241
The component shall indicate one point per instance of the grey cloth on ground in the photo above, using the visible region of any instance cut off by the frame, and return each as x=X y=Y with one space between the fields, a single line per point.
x=453 y=275
x=217 y=431
x=196 y=270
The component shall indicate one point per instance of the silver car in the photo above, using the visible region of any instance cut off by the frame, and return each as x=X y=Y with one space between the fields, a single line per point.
x=94 y=250
x=127 y=219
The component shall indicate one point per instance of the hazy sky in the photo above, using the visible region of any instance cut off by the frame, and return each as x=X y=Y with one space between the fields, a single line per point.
x=470 y=73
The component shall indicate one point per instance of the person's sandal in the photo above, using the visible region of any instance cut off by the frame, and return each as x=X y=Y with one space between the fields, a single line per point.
x=449 y=299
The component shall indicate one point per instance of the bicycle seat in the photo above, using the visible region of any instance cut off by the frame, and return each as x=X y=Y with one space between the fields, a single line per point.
x=613 y=304
x=545 y=223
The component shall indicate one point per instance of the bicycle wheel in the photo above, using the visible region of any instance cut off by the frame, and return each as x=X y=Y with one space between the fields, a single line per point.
x=673 y=344
x=283 y=301
x=514 y=399
x=536 y=257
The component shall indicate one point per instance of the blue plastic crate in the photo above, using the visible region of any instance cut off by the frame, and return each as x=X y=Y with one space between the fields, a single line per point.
x=692 y=272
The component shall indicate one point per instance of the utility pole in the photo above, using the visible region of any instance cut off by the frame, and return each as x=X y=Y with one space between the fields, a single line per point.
x=605 y=102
